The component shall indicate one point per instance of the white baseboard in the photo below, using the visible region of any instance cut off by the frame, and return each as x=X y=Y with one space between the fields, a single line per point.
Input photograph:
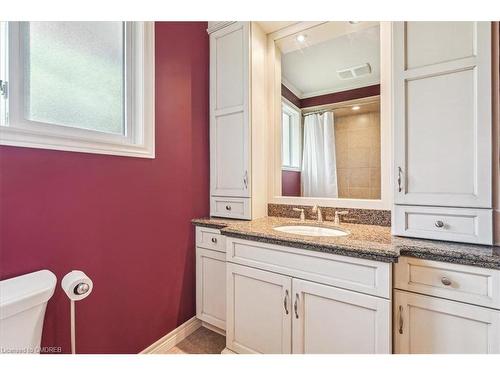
x=227 y=351
x=174 y=337
x=213 y=328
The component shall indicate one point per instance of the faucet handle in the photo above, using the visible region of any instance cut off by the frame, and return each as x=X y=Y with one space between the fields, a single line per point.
x=336 y=220
x=301 y=210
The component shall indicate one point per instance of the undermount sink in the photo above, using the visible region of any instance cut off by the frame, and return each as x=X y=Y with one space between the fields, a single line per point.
x=310 y=230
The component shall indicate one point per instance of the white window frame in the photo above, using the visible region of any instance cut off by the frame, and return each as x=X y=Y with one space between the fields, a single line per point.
x=139 y=138
x=296 y=116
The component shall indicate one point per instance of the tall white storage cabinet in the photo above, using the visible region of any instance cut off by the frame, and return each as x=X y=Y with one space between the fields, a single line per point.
x=237 y=113
x=442 y=130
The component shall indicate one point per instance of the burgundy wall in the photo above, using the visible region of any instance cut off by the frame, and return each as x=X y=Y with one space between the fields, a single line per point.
x=124 y=221
x=290 y=183
x=288 y=94
x=341 y=96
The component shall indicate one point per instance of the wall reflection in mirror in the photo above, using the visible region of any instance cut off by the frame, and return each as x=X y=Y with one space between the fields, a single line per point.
x=331 y=111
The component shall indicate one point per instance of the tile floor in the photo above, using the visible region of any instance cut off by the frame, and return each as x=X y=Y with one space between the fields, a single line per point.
x=201 y=341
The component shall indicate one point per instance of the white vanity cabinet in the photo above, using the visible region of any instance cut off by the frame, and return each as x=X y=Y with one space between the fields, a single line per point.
x=456 y=309
x=330 y=320
x=442 y=130
x=259 y=316
x=237 y=165
x=288 y=300
x=211 y=277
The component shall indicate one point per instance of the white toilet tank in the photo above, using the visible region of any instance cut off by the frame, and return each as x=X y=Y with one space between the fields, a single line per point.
x=22 y=308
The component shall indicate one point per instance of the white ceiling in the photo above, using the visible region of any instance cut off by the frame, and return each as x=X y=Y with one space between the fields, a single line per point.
x=310 y=68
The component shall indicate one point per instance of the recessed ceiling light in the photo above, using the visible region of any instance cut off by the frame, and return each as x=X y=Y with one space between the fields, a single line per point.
x=301 y=38
x=356 y=107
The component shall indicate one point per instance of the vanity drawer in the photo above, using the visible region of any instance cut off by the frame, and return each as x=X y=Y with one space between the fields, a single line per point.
x=441 y=223
x=361 y=275
x=237 y=208
x=475 y=285
x=210 y=238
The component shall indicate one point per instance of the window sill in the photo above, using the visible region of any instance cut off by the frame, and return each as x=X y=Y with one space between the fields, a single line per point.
x=19 y=138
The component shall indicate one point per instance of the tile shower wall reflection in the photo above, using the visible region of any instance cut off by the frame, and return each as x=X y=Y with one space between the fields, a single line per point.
x=357 y=142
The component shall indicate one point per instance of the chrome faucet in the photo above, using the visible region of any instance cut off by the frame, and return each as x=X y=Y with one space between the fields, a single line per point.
x=316 y=209
x=336 y=220
x=302 y=216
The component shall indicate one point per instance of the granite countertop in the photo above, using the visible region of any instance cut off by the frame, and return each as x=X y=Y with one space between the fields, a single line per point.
x=364 y=241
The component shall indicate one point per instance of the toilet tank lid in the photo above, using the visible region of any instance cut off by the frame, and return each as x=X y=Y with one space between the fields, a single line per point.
x=26 y=291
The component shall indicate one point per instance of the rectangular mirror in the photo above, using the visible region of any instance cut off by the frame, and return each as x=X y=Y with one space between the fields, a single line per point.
x=330 y=111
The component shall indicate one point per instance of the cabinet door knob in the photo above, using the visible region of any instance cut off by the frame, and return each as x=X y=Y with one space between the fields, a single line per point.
x=228 y=207
x=214 y=240
x=445 y=281
x=439 y=224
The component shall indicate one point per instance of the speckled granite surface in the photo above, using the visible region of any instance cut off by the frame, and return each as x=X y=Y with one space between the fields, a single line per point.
x=364 y=241
x=355 y=215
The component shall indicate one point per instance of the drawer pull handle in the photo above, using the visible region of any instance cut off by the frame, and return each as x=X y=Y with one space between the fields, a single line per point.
x=285 y=302
x=400 y=318
x=446 y=281
x=296 y=305
x=214 y=240
x=439 y=224
x=228 y=207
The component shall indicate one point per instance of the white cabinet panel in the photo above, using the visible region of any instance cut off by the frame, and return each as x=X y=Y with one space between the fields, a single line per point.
x=425 y=41
x=442 y=113
x=229 y=111
x=230 y=55
x=428 y=325
x=211 y=287
x=336 y=321
x=474 y=285
x=236 y=208
x=363 y=275
x=229 y=140
x=440 y=126
x=472 y=225
x=258 y=311
x=210 y=238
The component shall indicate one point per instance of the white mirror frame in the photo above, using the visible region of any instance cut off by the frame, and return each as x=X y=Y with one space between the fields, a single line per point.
x=274 y=92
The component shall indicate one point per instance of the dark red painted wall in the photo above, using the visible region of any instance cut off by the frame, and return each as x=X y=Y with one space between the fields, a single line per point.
x=341 y=96
x=124 y=221
x=290 y=183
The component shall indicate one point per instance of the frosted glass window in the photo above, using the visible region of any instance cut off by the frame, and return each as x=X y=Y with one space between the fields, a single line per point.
x=74 y=74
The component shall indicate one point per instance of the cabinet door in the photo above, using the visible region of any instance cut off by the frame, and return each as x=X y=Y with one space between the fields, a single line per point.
x=442 y=113
x=229 y=111
x=430 y=325
x=337 y=321
x=258 y=311
x=211 y=287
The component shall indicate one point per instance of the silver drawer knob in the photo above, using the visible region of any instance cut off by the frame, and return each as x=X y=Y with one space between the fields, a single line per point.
x=439 y=224
x=214 y=240
x=228 y=207
x=446 y=281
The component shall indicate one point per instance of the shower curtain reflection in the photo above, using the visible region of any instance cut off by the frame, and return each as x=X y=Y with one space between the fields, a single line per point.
x=319 y=171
